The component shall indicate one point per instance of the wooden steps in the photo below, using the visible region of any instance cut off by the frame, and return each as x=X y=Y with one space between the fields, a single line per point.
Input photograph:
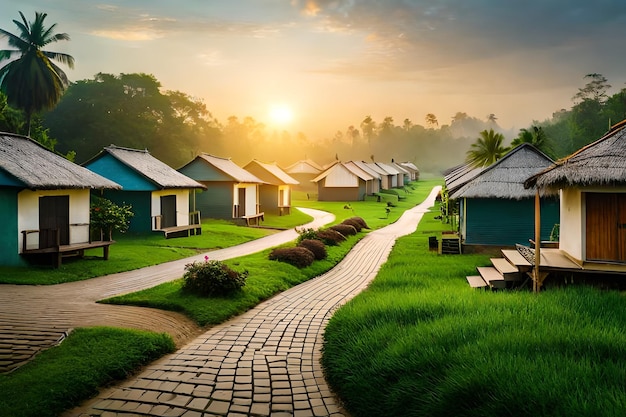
x=504 y=272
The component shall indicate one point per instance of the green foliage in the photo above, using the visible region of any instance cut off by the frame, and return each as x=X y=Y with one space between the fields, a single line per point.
x=212 y=278
x=421 y=342
x=344 y=229
x=62 y=377
x=33 y=82
x=106 y=216
x=316 y=247
x=298 y=256
x=487 y=149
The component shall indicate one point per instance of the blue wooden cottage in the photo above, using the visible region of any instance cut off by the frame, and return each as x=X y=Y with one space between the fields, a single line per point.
x=275 y=193
x=496 y=209
x=232 y=192
x=44 y=202
x=159 y=195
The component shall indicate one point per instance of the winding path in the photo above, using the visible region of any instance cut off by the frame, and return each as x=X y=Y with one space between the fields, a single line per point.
x=265 y=361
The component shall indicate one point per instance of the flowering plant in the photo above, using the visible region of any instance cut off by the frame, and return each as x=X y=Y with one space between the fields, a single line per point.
x=106 y=216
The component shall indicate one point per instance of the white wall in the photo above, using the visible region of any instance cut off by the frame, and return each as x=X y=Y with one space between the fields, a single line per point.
x=571 y=223
x=182 y=204
x=28 y=214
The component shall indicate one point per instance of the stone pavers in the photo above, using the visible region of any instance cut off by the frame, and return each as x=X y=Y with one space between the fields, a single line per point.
x=263 y=362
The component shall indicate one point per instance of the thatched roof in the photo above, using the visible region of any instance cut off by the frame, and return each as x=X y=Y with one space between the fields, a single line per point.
x=143 y=163
x=459 y=175
x=410 y=166
x=342 y=174
x=304 y=166
x=367 y=168
x=38 y=168
x=229 y=168
x=601 y=163
x=270 y=173
x=389 y=169
x=505 y=178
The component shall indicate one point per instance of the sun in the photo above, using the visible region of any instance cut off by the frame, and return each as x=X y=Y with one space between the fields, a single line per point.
x=281 y=114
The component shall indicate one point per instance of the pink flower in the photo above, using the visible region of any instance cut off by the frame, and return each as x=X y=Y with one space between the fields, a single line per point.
x=206 y=258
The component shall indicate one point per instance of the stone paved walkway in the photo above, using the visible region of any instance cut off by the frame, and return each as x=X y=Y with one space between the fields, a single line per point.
x=34 y=318
x=264 y=362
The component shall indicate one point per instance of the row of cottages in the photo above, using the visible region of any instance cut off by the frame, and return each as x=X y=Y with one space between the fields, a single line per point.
x=494 y=207
x=236 y=193
x=44 y=200
x=353 y=180
x=160 y=196
x=592 y=188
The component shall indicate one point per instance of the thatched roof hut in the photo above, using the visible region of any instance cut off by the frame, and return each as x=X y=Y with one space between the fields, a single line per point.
x=601 y=163
x=505 y=178
x=37 y=168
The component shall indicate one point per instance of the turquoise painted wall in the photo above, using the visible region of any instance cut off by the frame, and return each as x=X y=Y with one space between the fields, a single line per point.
x=9 y=243
x=9 y=180
x=111 y=168
x=507 y=222
x=217 y=201
x=140 y=201
x=202 y=171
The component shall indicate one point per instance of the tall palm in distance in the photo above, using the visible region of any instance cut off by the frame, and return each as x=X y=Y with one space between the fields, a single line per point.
x=537 y=137
x=33 y=82
x=487 y=149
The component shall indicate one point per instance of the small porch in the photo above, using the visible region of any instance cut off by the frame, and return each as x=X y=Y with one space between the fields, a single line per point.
x=515 y=268
x=192 y=229
x=57 y=251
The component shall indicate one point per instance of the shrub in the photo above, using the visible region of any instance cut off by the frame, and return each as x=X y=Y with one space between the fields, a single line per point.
x=307 y=234
x=330 y=237
x=212 y=278
x=317 y=247
x=358 y=223
x=298 y=256
x=344 y=229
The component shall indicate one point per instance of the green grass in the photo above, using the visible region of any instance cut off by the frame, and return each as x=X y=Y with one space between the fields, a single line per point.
x=60 y=378
x=133 y=251
x=421 y=342
x=265 y=279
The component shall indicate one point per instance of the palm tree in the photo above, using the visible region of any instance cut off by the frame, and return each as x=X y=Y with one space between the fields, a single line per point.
x=487 y=149
x=537 y=137
x=33 y=82
x=431 y=120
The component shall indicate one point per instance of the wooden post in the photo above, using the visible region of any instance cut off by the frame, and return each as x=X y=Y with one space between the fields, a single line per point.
x=536 y=275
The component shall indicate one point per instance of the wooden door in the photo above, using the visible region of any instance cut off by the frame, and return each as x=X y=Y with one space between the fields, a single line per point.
x=54 y=214
x=605 y=227
x=242 y=201
x=168 y=211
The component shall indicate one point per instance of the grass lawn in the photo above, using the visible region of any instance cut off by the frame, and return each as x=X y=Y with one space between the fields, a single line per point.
x=420 y=342
x=132 y=251
x=65 y=375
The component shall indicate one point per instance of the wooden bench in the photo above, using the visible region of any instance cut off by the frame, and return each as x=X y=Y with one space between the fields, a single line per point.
x=76 y=249
x=182 y=231
x=254 y=219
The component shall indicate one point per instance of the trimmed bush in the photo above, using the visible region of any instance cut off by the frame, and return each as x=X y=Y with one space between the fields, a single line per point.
x=358 y=223
x=307 y=234
x=298 y=256
x=330 y=237
x=212 y=278
x=344 y=229
x=317 y=247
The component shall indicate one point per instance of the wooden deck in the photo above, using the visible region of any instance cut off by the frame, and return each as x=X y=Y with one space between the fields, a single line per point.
x=57 y=253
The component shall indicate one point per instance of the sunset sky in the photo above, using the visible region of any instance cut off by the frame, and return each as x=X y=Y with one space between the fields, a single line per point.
x=320 y=66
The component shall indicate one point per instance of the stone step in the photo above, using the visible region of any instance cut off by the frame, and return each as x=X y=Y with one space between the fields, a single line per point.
x=509 y=271
x=476 y=281
x=492 y=276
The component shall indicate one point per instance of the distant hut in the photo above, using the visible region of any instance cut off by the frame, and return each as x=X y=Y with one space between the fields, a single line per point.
x=343 y=182
x=376 y=176
x=396 y=176
x=275 y=193
x=44 y=199
x=413 y=170
x=496 y=209
x=160 y=196
x=592 y=186
x=232 y=192
x=304 y=171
